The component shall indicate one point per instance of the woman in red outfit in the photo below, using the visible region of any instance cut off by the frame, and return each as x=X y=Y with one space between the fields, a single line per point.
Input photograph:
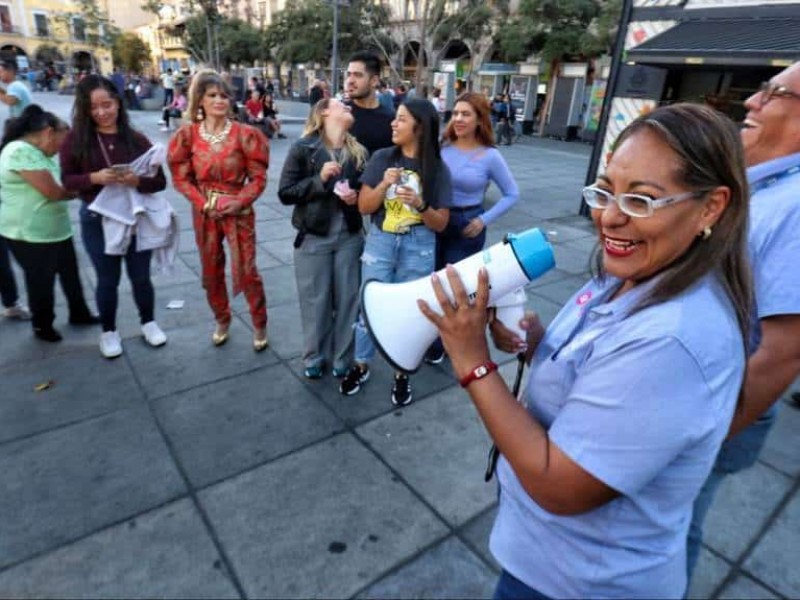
x=220 y=165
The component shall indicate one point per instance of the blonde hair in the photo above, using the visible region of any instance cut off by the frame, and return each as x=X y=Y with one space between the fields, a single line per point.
x=315 y=124
x=201 y=81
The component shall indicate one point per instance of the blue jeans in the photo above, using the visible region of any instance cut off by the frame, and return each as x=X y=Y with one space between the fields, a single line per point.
x=8 y=285
x=736 y=454
x=511 y=588
x=109 y=270
x=393 y=258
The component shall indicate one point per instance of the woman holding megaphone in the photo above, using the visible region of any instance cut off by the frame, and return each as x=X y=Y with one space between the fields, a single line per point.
x=633 y=385
x=407 y=191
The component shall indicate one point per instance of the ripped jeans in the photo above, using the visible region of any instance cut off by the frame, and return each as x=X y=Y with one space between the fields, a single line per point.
x=393 y=258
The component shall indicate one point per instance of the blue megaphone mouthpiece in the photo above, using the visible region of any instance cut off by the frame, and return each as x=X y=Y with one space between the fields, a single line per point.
x=533 y=252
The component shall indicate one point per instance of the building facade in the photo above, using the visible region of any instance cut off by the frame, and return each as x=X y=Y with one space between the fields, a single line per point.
x=51 y=33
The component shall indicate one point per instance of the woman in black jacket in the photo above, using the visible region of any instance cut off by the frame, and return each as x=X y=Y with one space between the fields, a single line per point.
x=320 y=179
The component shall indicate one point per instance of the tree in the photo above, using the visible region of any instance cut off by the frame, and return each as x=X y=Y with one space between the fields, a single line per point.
x=130 y=52
x=559 y=30
x=237 y=42
x=436 y=23
x=303 y=32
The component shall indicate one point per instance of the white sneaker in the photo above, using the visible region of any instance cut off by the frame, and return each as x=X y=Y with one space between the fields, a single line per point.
x=153 y=335
x=110 y=344
x=18 y=311
x=164 y=128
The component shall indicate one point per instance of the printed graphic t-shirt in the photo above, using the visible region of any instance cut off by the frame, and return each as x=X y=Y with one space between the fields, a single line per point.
x=394 y=216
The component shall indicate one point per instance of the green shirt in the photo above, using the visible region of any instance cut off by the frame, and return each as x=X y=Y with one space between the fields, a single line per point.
x=25 y=214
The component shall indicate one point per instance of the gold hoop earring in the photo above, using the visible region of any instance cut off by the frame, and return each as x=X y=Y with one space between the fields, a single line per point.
x=706 y=233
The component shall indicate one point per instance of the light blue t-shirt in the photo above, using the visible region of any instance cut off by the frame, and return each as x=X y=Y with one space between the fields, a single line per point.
x=472 y=171
x=774 y=247
x=20 y=91
x=641 y=401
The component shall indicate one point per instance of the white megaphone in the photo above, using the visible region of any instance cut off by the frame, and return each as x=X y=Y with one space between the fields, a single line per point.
x=402 y=333
x=510 y=309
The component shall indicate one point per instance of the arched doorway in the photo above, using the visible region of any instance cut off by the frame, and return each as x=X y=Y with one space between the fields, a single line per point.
x=12 y=52
x=458 y=51
x=82 y=61
x=413 y=55
x=48 y=55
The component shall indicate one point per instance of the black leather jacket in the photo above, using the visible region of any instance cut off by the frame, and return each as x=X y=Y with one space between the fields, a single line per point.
x=315 y=202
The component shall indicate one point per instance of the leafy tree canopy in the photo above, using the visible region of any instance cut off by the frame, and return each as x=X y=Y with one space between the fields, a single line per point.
x=239 y=42
x=559 y=29
x=130 y=52
x=303 y=31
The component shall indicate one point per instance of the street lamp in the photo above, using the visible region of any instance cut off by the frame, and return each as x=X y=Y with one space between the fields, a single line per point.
x=335 y=54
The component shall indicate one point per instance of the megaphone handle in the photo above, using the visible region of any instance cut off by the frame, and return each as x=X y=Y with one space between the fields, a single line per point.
x=494 y=452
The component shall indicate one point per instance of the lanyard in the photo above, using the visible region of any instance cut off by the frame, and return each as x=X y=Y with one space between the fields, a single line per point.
x=768 y=182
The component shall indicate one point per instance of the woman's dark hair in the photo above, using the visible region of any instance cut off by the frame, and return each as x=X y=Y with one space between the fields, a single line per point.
x=710 y=154
x=84 y=129
x=34 y=118
x=426 y=128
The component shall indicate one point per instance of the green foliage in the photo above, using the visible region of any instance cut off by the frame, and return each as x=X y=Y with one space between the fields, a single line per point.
x=303 y=31
x=559 y=29
x=130 y=52
x=239 y=42
x=469 y=24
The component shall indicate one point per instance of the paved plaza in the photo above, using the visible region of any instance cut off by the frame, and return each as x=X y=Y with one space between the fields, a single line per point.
x=195 y=471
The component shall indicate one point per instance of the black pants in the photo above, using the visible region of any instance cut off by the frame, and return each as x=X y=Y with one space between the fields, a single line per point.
x=41 y=262
x=8 y=285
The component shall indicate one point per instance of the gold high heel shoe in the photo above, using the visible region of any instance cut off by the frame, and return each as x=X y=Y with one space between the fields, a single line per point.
x=260 y=345
x=219 y=338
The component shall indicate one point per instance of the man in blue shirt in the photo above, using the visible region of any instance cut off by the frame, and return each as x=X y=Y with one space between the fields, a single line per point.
x=15 y=94
x=771 y=138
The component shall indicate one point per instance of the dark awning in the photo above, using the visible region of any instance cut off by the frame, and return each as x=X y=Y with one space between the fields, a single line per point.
x=756 y=41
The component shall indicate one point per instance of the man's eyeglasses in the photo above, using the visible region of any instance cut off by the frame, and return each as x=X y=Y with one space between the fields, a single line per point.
x=769 y=90
x=633 y=205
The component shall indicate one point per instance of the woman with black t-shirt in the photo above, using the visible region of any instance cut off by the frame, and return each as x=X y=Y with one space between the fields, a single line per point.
x=407 y=191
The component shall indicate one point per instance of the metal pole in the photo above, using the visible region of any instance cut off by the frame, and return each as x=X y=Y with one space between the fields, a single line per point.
x=335 y=57
x=210 y=43
x=611 y=88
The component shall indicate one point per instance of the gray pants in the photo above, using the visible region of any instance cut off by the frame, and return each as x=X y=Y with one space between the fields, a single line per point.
x=327 y=270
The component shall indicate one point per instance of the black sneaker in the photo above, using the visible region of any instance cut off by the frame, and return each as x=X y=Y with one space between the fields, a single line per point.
x=401 y=390
x=434 y=356
x=356 y=376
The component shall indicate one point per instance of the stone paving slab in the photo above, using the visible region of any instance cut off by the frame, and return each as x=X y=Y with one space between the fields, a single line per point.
x=323 y=522
x=25 y=411
x=738 y=515
x=449 y=561
x=375 y=396
x=190 y=359
x=166 y=553
x=66 y=483
x=782 y=448
x=227 y=427
x=477 y=533
x=710 y=572
x=774 y=560
x=744 y=587
x=439 y=447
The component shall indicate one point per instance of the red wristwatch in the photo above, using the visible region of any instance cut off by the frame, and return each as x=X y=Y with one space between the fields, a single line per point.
x=478 y=372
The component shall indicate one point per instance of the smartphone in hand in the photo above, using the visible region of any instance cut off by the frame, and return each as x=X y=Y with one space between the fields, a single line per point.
x=120 y=169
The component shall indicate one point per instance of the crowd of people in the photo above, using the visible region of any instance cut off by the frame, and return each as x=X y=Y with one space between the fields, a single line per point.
x=608 y=462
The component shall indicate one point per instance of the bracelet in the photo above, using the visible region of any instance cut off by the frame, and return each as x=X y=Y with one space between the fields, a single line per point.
x=479 y=372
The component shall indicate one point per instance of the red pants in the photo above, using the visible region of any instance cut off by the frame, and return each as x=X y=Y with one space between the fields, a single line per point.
x=241 y=235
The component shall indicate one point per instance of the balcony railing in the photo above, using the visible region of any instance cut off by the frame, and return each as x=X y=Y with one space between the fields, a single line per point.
x=10 y=29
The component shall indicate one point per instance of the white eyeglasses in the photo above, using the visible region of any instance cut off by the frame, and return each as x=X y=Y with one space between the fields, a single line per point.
x=633 y=205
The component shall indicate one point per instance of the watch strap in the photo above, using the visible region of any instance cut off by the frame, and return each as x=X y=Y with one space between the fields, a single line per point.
x=479 y=372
